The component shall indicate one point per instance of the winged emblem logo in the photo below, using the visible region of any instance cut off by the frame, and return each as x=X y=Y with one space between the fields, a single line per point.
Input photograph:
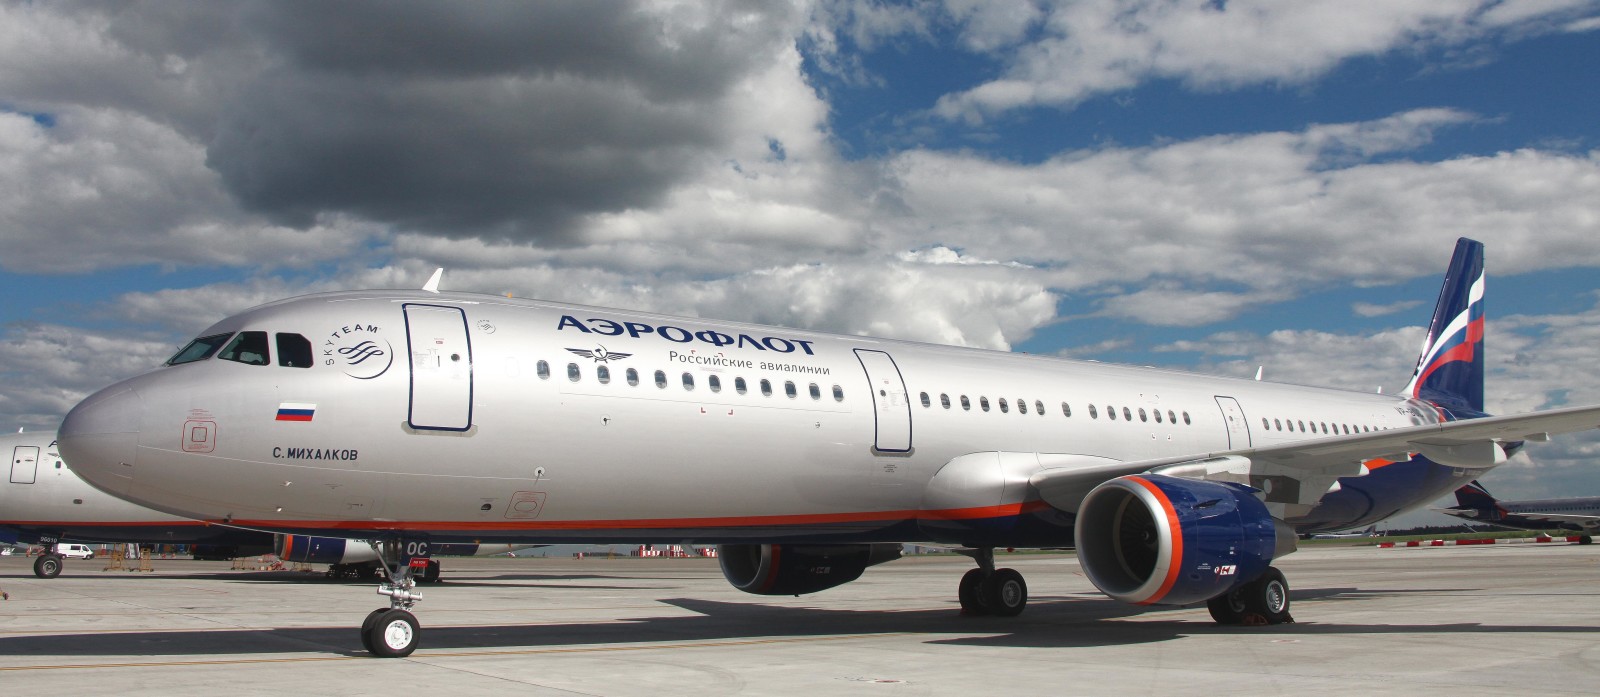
x=599 y=354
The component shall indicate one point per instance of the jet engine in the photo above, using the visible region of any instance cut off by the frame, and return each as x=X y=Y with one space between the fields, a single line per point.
x=323 y=550
x=785 y=569
x=1149 y=539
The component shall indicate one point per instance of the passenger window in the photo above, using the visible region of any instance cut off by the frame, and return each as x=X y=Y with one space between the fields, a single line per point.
x=603 y=374
x=1142 y=418
x=966 y=404
x=294 y=351
x=661 y=379
x=1038 y=407
x=740 y=386
x=1302 y=426
x=766 y=387
x=1174 y=419
x=1066 y=410
x=715 y=383
x=1126 y=415
x=789 y=389
x=543 y=369
x=1278 y=424
x=199 y=349
x=1156 y=413
x=1111 y=413
x=573 y=372
x=926 y=401
x=1022 y=406
x=944 y=400
x=688 y=382
x=1186 y=418
x=1004 y=409
x=983 y=403
x=633 y=377
x=1265 y=423
x=249 y=348
x=838 y=393
x=816 y=392
x=1093 y=412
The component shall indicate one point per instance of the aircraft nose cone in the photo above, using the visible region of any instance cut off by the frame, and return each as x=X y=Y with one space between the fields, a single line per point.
x=100 y=438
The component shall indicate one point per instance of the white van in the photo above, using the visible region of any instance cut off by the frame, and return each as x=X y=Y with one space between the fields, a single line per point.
x=73 y=551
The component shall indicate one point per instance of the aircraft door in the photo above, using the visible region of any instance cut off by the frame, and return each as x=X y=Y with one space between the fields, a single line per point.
x=441 y=368
x=24 y=464
x=891 y=405
x=1238 y=427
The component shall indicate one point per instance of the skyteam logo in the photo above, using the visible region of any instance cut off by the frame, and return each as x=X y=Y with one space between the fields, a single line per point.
x=599 y=354
x=359 y=350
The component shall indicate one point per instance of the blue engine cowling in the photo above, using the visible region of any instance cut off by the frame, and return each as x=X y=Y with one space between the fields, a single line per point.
x=782 y=569
x=1153 y=539
x=323 y=550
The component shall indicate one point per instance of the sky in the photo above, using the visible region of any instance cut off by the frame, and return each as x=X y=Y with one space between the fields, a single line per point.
x=1213 y=186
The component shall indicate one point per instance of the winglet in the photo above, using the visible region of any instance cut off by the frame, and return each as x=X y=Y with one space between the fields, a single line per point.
x=432 y=286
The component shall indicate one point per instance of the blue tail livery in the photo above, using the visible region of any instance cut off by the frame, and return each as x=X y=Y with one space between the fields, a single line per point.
x=1450 y=371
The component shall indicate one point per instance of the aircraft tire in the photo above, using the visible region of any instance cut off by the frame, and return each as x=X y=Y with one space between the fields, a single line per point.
x=393 y=634
x=366 y=628
x=1228 y=608
x=431 y=573
x=1585 y=540
x=968 y=593
x=1004 y=593
x=1268 y=596
x=47 y=566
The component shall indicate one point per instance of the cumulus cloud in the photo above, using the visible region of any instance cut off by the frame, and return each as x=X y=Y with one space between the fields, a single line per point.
x=47 y=368
x=1095 y=47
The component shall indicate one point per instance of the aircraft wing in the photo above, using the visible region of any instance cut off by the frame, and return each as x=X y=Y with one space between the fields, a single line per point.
x=1294 y=476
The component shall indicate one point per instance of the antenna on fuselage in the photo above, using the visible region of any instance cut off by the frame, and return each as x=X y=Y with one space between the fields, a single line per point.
x=432 y=286
x=1259 y=369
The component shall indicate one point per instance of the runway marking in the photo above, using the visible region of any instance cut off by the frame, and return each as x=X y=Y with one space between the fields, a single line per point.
x=468 y=654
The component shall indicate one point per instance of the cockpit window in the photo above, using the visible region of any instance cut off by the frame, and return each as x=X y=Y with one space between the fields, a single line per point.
x=249 y=348
x=294 y=351
x=199 y=349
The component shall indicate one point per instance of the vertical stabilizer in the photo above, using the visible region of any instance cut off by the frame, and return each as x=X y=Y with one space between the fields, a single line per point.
x=1450 y=371
x=1474 y=495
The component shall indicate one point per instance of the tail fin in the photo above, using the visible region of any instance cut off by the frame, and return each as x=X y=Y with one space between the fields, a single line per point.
x=1474 y=495
x=1450 y=371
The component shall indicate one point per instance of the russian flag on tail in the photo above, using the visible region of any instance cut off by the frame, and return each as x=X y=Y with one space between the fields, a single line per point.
x=296 y=411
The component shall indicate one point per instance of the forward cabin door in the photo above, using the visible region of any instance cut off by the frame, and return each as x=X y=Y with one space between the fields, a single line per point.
x=891 y=406
x=441 y=368
x=1238 y=428
x=24 y=464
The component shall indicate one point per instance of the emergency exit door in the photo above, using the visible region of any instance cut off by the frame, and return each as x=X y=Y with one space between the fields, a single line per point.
x=441 y=368
x=24 y=464
x=1238 y=427
x=891 y=407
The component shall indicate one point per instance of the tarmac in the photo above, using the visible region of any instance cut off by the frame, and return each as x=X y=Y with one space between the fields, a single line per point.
x=1489 y=620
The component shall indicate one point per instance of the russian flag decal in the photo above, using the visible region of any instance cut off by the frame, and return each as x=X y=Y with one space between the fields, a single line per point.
x=295 y=411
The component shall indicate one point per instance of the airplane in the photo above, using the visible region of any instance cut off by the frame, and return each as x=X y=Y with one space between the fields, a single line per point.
x=418 y=417
x=1577 y=514
x=43 y=503
x=1371 y=531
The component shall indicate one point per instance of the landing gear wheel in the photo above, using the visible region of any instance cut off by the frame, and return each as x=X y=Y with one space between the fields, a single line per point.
x=1004 y=593
x=968 y=593
x=1585 y=540
x=1228 y=608
x=393 y=634
x=366 y=628
x=431 y=574
x=1268 y=597
x=47 y=566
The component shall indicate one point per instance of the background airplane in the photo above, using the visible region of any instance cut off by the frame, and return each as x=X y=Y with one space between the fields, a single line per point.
x=44 y=503
x=419 y=417
x=1578 y=514
x=1370 y=531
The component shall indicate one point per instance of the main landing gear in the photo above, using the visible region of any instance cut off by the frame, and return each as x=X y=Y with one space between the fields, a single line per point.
x=48 y=565
x=1262 y=601
x=990 y=591
x=393 y=632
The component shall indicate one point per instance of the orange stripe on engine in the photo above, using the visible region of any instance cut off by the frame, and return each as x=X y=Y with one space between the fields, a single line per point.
x=1177 y=541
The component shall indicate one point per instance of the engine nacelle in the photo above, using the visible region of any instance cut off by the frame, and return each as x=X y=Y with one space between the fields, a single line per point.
x=1149 y=539
x=322 y=550
x=783 y=569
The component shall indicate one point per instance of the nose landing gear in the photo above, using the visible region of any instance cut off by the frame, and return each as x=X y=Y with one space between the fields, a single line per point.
x=393 y=632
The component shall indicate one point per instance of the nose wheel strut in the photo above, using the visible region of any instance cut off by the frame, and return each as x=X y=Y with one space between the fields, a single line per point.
x=393 y=632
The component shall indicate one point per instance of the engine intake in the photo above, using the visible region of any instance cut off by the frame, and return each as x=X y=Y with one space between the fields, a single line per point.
x=1149 y=539
x=784 y=569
